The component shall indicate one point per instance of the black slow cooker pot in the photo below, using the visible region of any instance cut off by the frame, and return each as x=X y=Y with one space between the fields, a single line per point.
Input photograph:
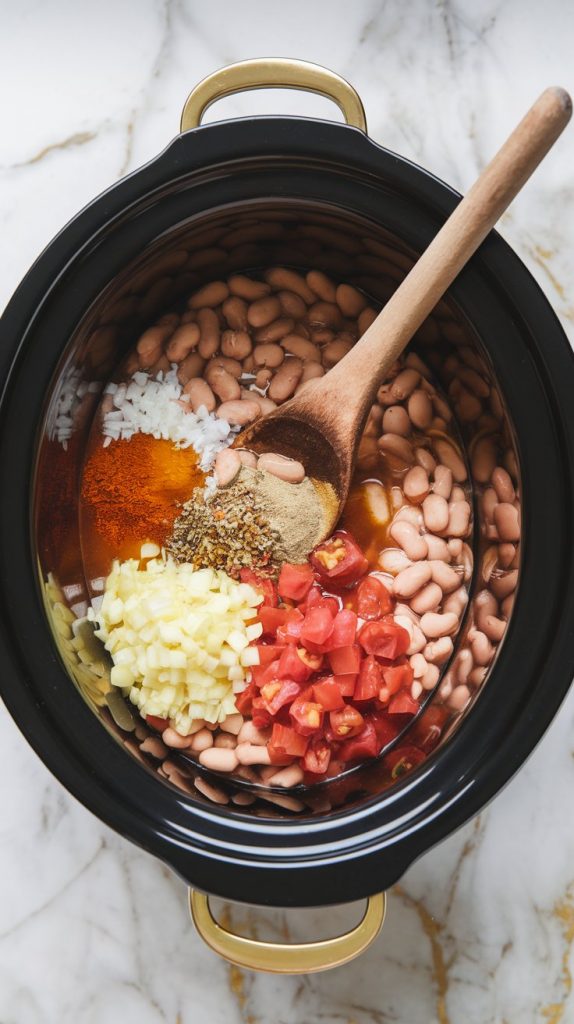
x=242 y=195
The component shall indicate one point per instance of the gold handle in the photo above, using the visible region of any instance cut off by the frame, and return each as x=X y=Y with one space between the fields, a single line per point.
x=287 y=958
x=273 y=73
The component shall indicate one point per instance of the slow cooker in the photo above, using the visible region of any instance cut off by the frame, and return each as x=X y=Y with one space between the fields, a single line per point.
x=242 y=195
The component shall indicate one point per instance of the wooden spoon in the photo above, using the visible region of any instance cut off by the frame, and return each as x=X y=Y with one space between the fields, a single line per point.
x=322 y=426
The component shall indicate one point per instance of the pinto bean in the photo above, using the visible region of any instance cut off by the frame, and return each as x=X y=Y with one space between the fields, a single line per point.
x=208 y=323
x=274 y=331
x=322 y=286
x=319 y=335
x=418 y=641
x=174 y=739
x=300 y=347
x=437 y=548
x=350 y=300
x=265 y=404
x=454 y=545
x=150 y=345
x=268 y=355
x=408 y=538
x=481 y=647
x=506 y=606
x=210 y=792
x=457 y=494
x=404 y=384
x=468 y=407
x=223 y=384
x=431 y=677
x=411 y=580
x=396 y=421
x=459 y=518
x=334 y=351
x=248 y=753
x=459 y=698
x=182 y=341
x=416 y=484
x=192 y=366
x=280 y=278
x=425 y=459
x=366 y=318
x=463 y=665
x=489 y=502
x=311 y=370
x=209 y=296
x=427 y=599
x=232 y=724
x=393 y=560
x=507 y=522
x=394 y=444
x=233 y=366
x=439 y=651
x=218 y=759
x=494 y=628
x=502 y=483
x=234 y=310
x=483 y=460
x=505 y=584
x=436 y=513
x=442 y=483
x=292 y=775
x=201 y=741
x=224 y=741
x=418 y=664
x=249 y=733
x=278 y=465
x=227 y=466
x=236 y=344
x=199 y=393
x=446 y=577
x=435 y=625
x=477 y=675
x=456 y=602
x=248 y=459
x=285 y=380
x=420 y=409
x=410 y=514
x=246 y=288
x=292 y=305
x=506 y=555
x=325 y=314
x=263 y=311
x=450 y=457
x=239 y=413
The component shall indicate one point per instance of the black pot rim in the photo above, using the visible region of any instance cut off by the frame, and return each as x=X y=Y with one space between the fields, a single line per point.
x=233 y=855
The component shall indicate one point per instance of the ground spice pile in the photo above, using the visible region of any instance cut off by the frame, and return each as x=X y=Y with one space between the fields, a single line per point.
x=134 y=489
x=257 y=522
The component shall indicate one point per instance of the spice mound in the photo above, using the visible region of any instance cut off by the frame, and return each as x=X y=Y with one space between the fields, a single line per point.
x=257 y=522
x=179 y=639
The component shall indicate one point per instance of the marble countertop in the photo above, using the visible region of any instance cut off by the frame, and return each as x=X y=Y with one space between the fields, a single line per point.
x=92 y=930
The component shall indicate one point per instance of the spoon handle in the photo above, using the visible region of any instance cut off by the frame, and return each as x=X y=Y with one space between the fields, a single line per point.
x=460 y=236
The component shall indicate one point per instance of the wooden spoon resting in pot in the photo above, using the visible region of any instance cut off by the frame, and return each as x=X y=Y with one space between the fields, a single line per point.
x=322 y=426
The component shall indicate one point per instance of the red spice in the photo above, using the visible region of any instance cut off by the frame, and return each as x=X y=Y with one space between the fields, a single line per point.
x=132 y=489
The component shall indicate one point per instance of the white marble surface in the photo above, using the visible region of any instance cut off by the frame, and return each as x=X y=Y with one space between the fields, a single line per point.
x=92 y=930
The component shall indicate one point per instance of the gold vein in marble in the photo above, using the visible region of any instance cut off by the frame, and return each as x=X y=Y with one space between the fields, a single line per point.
x=564 y=913
x=77 y=139
x=432 y=929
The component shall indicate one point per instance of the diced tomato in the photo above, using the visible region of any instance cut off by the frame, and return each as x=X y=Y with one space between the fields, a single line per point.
x=346 y=683
x=317 y=599
x=295 y=581
x=403 y=704
x=402 y=760
x=259 y=714
x=291 y=666
x=317 y=756
x=244 y=700
x=347 y=722
x=307 y=716
x=339 y=560
x=268 y=653
x=345 y=660
x=373 y=599
x=385 y=638
x=284 y=740
x=161 y=724
x=386 y=729
x=427 y=730
x=328 y=694
x=358 y=748
x=271 y=619
x=261 y=583
x=277 y=693
x=370 y=679
x=317 y=627
x=313 y=661
x=265 y=673
x=397 y=676
x=344 y=629
x=290 y=631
